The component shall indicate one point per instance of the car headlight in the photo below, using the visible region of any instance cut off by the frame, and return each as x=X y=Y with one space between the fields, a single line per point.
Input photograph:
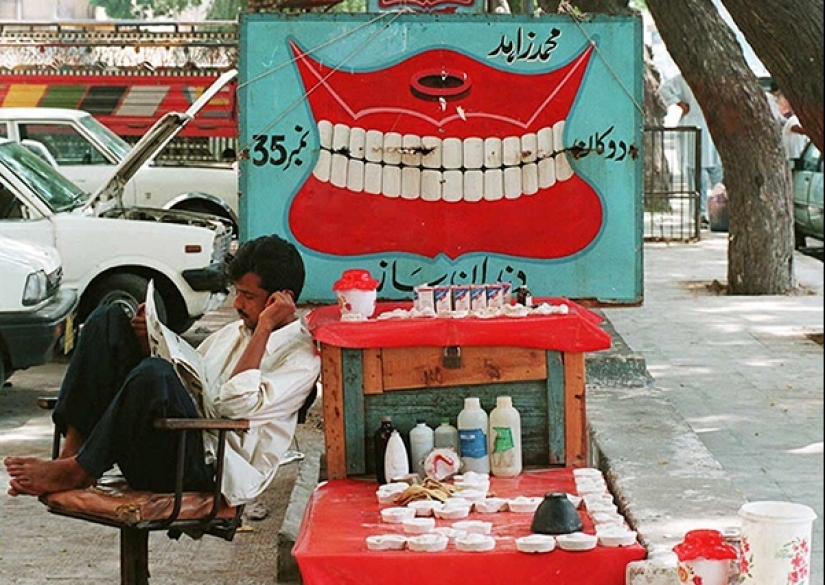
x=36 y=288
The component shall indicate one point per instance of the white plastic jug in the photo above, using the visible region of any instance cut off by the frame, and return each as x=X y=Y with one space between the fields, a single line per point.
x=422 y=441
x=776 y=543
x=472 y=436
x=505 y=439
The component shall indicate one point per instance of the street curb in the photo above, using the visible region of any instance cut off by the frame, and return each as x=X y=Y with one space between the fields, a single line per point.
x=306 y=482
x=619 y=365
x=663 y=478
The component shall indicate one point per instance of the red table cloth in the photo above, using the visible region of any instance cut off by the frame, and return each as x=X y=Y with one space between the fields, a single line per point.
x=577 y=331
x=331 y=547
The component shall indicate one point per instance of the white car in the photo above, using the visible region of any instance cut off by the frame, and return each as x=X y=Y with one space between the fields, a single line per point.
x=35 y=311
x=87 y=152
x=111 y=251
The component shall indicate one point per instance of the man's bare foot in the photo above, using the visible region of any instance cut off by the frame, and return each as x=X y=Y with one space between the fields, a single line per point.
x=32 y=476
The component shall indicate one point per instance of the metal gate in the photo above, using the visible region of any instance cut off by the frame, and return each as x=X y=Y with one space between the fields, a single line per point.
x=671 y=185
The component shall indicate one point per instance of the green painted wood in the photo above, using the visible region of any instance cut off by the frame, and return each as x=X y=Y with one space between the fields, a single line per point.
x=354 y=429
x=431 y=404
x=555 y=410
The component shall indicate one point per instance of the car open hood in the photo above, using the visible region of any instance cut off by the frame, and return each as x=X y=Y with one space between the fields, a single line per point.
x=158 y=136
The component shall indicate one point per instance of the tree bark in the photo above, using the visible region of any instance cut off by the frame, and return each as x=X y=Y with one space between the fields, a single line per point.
x=757 y=175
x=788 y=39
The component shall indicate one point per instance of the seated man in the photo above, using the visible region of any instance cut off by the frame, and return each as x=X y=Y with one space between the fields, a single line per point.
x=263 y=366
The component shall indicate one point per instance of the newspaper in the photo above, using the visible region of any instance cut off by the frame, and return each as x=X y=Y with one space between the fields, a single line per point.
x=166 y=344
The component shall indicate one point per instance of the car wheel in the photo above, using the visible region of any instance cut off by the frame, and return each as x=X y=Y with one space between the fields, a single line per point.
x=126 y=291
x=798 y=239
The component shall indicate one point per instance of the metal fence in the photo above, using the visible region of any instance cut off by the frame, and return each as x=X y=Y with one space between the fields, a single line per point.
x=671 y=186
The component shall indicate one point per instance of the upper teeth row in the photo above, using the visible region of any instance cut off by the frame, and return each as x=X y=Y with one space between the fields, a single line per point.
x=435 y=169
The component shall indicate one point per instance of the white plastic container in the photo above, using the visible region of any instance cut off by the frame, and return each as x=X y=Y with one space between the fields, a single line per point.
x=505 y=439
x=472 y=436
x=422 y=441
x=776 y=542
x=396 y=463
x=446 y=436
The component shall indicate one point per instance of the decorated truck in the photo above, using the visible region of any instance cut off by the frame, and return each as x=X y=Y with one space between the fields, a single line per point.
x=126 y=74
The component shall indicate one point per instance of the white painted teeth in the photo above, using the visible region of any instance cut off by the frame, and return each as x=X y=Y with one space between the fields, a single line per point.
x=433 y=169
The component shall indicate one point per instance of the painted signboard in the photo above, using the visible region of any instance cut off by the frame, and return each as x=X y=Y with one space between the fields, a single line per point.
x=447 y=149
x=445 y=6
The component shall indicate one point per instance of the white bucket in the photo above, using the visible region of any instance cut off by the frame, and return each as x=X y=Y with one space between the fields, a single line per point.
x=776 y=543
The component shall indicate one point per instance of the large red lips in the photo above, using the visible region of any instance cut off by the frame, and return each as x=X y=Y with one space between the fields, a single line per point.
x=474 y=100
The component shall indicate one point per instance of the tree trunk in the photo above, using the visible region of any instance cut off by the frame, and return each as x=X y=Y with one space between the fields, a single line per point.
x=788 y=39
x=757 y=176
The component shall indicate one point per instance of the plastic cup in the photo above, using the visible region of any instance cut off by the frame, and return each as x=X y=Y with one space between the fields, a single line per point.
x=776 y=543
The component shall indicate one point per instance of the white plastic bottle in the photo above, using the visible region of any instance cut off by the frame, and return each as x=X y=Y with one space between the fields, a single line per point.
x=505 y=439
x=446 y=436
x=472 y=437
x=396 y=463
x=422 y=441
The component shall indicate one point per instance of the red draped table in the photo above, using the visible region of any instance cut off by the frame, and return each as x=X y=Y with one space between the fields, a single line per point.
x=424 y=367
x=331 y=546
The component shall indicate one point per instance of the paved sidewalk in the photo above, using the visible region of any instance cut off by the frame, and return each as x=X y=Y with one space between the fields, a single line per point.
x=742 y=373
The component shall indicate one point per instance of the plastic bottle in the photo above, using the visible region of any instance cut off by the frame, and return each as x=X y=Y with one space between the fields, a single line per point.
x=505 y=439
x=396 y=463
x=382 y=435
x=422 y=441
x=446 y=436
x=472 y=436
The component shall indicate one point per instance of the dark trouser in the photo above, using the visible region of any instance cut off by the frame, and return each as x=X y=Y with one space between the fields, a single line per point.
x=112 y=395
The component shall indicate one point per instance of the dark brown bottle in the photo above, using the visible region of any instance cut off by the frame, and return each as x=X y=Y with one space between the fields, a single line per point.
x=524 y=296
x=381 y=437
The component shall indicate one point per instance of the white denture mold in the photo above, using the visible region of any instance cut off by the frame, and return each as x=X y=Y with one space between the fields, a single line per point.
x=452 y=512
x=424 y=507
x=536 y=543
x=524 y=504
x=614 y=536
x=490 y=505
x=386 y=542
x=576 y=541
x=397 y=515
x=432 y=542
x=418 y=525
x=475 y=542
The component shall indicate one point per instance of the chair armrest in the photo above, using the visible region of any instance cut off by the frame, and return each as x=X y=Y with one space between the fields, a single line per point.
x=202 y=424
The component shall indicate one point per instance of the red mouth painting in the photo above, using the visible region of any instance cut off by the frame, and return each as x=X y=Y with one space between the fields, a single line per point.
x=443 y=154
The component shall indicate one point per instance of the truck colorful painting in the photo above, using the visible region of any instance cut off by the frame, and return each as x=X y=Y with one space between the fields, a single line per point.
x=447 y=148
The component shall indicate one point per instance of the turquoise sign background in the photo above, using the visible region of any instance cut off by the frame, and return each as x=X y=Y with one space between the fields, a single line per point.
x=317 y=90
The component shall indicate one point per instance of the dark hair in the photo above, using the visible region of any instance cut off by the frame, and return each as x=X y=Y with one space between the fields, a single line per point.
x=276 y=261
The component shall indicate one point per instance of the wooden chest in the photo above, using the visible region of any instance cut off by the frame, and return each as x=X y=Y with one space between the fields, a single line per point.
x=407 y=383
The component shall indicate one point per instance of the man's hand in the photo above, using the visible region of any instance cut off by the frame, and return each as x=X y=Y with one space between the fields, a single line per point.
x=279 y=310
x=139 y=325
x=685 y=107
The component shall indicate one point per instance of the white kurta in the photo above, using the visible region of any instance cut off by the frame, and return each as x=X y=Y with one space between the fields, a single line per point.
x=269 y=397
